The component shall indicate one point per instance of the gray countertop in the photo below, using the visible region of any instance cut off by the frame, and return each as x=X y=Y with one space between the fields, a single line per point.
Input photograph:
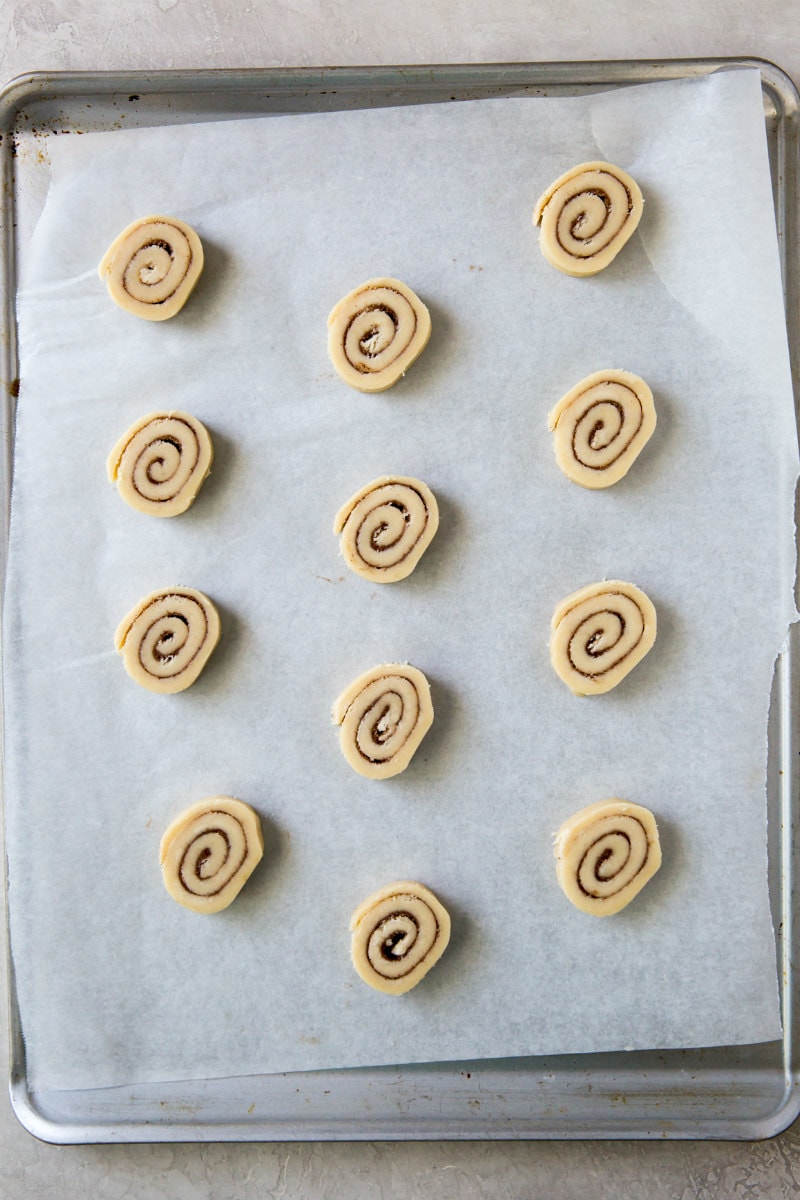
x=137 y=34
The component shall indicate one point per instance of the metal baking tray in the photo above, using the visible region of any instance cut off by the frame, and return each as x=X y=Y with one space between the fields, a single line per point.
x=744 y=1092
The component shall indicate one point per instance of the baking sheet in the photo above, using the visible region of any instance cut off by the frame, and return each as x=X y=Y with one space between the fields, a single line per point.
x=438 y=816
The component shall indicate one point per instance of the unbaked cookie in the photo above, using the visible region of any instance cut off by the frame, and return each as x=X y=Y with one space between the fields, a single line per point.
x=209 y=852
x=376 y=332
x=152 y=267
x=399 y=933
x=160 y=463
x=166 y=640
x=599 y=634
x=384 y=715
x=601 y=426
x=386 y=527
x=605 y=854
x=587 y=216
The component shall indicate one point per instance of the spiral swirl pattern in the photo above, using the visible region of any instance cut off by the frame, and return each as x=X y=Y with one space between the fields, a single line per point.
x=387 y=527
x=599 y=634
x=605 y=855
x=160 y=463
x=399 y=933
x=209 y=852
x=376 y=332
x=383 y=715
x=167 y=639
x=601 y=426
x=152 y=267
x=587 y=216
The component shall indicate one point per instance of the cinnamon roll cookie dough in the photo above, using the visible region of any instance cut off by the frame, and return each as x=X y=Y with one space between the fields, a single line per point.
x=376 y=332
x=167 y=639
x=152 y=267
x=605 y=855
x=587 y=216
x=599 y=634
x=386 y=527
x=399 y=933
x=384 y=714
x=209 y=852
x=601 y=426
x=160 y=464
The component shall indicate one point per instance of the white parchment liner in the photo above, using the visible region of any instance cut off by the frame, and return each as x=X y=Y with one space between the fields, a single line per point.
x=116 y=982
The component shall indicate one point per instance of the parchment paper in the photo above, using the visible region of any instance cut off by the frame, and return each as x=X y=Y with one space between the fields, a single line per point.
x=119 y=984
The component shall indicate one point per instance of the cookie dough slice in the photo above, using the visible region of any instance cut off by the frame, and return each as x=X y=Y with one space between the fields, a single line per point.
x=605 y=854
x=209 y=852
x=384 y=714
x=587 y=216
x=160 y=463
x=601 y=426
x=386 y=527
x=376 y=332
x=399 y=933
x=152 y=267
x=599 y=634
x=167 y=639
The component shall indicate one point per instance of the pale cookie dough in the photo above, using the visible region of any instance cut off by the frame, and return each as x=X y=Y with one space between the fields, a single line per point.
x=166 y=640
x=386 y=527
x=376 y=332
x=399 y=933
x=599 y=634
x=587 y=216
x=152 y=267
x=601 y=426
x=209 y=852
x=384 y=715
x=605 y=855
x=160 y=463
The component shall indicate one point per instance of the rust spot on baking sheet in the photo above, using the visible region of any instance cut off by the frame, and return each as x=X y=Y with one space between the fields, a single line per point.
x=13 y=388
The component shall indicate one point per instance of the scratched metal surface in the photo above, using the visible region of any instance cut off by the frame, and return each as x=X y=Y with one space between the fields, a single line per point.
x=744 y=1092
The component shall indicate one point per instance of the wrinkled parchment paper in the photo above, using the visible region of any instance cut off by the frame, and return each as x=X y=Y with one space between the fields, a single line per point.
x=116 y=982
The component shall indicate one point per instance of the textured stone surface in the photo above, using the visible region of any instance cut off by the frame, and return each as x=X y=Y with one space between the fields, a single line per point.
x=84 y=34
x=214 y=33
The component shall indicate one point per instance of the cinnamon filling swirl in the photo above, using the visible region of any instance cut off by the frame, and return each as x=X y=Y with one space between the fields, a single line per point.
x=386 y=527
x=376 y=332
x=399 y=933
x=587 y=216
x=599 y=634
x=605 y=854
x=384 y=715
x=160 y=463
x=209 y=852
x=601 y=426
x=167 y=639
x=152 y=267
